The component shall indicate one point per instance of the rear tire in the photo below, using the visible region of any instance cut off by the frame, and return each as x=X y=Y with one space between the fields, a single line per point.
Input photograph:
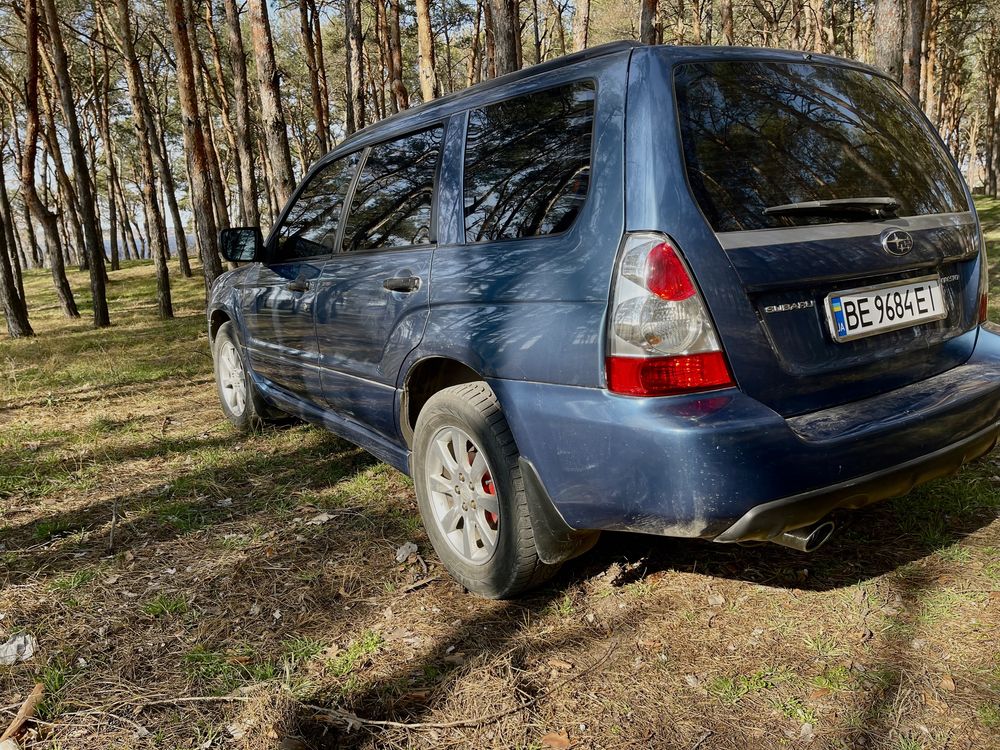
x=471 y=493
x=241 y=403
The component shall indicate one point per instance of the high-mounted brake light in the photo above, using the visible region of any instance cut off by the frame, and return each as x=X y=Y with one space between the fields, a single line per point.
x=661 y=340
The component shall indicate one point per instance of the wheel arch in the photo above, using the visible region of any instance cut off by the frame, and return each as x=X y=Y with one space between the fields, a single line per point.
x=215 y=321
x=423 y=379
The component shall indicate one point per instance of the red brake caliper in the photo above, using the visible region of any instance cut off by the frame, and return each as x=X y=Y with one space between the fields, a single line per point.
x=489 y=489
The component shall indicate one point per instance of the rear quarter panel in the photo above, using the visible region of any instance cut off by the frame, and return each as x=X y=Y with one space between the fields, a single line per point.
x=533 y=309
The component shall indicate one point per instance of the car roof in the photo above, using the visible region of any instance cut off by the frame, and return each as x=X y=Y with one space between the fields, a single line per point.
x=428 y=113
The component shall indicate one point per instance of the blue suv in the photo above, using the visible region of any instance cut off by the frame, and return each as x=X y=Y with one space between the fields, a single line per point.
x=696 y=292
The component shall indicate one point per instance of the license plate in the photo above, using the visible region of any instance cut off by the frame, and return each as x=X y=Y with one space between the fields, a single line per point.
x=855 y=313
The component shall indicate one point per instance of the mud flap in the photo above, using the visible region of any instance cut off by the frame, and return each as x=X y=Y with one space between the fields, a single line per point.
x=555 y=541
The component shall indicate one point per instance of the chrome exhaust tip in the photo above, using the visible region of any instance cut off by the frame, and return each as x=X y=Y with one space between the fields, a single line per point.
x=808 y=538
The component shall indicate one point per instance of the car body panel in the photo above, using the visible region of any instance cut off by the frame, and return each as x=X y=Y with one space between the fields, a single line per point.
x=530 y=316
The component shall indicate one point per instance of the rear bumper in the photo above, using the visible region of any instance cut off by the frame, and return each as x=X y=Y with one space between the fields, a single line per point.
x=723 y=466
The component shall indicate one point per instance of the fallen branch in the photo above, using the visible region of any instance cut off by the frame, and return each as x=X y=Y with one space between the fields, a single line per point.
x=26 y=711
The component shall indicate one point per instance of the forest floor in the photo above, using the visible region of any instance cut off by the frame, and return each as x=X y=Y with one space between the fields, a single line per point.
x=192 y=587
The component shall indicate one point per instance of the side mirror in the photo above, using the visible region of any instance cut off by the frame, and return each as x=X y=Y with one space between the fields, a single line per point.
x=241 y=244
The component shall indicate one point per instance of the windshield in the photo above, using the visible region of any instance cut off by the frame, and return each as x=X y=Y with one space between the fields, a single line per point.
x=764 y=134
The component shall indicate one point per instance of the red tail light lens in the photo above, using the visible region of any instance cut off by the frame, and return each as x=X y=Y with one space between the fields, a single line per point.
x=666 y=276
x=667 y=376
x=984 y=307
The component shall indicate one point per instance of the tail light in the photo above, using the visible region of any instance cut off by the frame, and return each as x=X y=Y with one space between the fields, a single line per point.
x=661 y=340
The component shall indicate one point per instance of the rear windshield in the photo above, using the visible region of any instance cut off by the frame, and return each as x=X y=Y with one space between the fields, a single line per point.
x=763 y=134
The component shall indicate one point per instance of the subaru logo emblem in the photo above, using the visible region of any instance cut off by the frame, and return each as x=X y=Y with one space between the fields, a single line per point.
x=896 y=242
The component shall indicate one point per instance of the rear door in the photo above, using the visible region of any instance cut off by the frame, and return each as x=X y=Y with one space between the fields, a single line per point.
x=279 y=309
x=371 y=297
x=831 y=197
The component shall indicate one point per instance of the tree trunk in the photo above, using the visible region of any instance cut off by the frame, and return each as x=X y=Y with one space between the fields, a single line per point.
x=81 y=170
x=971 y=170
x=355 y=66
x=306 y=32
x=888 y=37
x=249 y=197
x=425 y=52
x=156 y=230
x=913 y=37
x=170 y=191
x=11 y=302
x=506 y=35
x=216 y=183
x=472 y=76
x=41 y=214
x=647 y=22
x=194 y=143
x=489 y=40
x=728 y=30
x=271 y=113
x=581 y=25
x=396 y=57
x=109 y=154
x=11 y=296
x=321 y=67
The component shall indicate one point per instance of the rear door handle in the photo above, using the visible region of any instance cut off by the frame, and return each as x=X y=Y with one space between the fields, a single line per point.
x=402 y=283
x=297 y=285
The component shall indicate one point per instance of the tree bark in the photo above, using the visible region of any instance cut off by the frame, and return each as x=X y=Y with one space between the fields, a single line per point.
x=12 y=299
x=81 y=170
x=506 y=35
x=581 y=25
x=355 y=66
x=726 y=16
x=11 y=302
x=170 y=190
x=271 y=113
x=249 y=197
x=306 y=31
x=194 y=142
x=647 y=22
x=888 y=37
x=425 y=52
x=913 y=38
x=321 y=67
x=396 y=57
x=109 y=154
x=48 y=220
x=156 y=229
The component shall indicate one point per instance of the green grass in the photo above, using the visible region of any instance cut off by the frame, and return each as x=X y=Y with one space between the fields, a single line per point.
x=303 y=649
x=364 y=647
x=731 y=689
x=223 y=672
x=834 y=679
x=74 y=580
x=797 y=711
x=162 y=605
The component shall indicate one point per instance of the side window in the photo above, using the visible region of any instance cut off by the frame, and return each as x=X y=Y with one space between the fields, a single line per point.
x=392 y=204
x=311 y=226
x=527 y=164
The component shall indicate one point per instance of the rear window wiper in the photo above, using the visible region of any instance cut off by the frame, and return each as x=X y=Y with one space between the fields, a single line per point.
x=875 y=208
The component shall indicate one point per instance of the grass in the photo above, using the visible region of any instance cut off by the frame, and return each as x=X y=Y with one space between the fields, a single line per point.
x=162 y=605
x=364 y=647
x=157 y=554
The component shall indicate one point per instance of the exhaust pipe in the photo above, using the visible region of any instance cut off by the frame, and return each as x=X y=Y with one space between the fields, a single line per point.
x=806 y=539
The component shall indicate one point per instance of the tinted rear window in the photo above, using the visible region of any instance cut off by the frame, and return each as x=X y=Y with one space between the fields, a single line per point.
x=759 y=134
x=527 y=164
